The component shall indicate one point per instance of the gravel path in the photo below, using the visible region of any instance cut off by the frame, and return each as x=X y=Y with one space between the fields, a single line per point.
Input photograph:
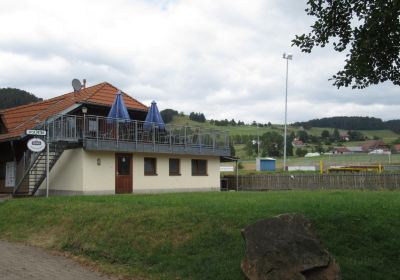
x=18 y=262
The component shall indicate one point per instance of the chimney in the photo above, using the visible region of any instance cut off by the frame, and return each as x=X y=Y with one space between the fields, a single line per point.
x=84 y=83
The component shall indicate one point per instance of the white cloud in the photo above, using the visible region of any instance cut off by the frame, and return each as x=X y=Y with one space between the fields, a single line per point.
x=219 y=57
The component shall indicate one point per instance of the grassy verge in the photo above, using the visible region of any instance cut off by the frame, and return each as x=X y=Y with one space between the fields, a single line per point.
x=197 y=236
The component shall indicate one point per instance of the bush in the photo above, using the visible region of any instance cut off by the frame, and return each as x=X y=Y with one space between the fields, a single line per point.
x=301 y=152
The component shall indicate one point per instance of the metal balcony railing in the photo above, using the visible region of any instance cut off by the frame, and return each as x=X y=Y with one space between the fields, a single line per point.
x=103 y=132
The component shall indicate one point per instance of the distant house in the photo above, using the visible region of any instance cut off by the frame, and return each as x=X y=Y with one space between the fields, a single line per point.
x=372 y=145
x=298 y=143
x=90 y=153
x=396 y=148
x=365 y=148
x=348 y=150
x=355 y=149
x=341 y=150
x=344 y=136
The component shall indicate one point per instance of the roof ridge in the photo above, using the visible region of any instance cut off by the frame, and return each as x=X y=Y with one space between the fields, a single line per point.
x=131 y=97
x=134 y=99
x=28 y=105
x=100 y=86
x=103 y=84
x=63 y=96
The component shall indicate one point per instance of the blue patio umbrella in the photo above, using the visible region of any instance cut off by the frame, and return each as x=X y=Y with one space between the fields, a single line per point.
x=118 y=109
x=153 y=117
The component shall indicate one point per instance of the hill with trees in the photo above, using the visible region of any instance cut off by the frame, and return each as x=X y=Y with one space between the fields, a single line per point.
x=352 y=123
x=12 y=97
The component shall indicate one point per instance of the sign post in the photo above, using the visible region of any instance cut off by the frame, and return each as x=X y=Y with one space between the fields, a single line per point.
x=37 y=145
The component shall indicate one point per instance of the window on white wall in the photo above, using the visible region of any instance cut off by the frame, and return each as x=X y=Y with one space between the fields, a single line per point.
x=150 y=166
x=199 y=167
x=174 y=167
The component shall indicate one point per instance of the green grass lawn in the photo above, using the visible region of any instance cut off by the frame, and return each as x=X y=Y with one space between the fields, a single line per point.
x=197 y=235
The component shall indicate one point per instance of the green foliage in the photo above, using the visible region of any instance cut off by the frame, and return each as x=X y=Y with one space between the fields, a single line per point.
x=232 y=149
x=272 y=144
x=368 y=29
x=197 y=236
x=336 y=134
x=397 y=141
x=325 y=134
x=197 y=117
x=12 y=97
x=301 y=152
x=393 y=125
x=319 y=148
x=302 y=135
x=251 y=148
x=355 y=135
x=168 y=115
x=347 y=123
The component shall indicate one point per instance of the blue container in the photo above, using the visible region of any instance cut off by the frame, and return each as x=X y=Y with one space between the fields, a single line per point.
x=266 y=164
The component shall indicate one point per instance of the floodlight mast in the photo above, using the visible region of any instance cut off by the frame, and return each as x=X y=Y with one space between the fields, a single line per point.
x=288 y=57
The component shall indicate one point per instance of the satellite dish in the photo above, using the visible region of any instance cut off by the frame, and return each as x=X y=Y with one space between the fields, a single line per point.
x=76 y=84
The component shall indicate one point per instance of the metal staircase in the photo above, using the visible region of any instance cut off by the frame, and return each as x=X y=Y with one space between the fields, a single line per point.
x=31 y=169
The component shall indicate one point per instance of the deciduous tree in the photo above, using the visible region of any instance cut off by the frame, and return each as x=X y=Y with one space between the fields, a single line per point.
x=367 y=30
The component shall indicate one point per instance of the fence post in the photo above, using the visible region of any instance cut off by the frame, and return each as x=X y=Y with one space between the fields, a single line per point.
x=213 y=138
x=136 y=134
x=185 y=138
x=154 y=137
x=97 y=130
x=62 y=127
x=75 y=128
x=117 y=124
x=170 y=140
x=200 y=141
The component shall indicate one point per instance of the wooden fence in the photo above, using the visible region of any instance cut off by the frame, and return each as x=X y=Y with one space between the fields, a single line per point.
x=360 y=181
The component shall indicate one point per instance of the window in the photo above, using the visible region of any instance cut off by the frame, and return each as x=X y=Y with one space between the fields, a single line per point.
x=150 y=166
x=199 y=167
x=124 y=165
x=2 y=128
x=92 y=126
x=2 y=170
x=174 y=166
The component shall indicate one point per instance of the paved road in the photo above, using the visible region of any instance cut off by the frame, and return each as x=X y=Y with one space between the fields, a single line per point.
x=19 y=262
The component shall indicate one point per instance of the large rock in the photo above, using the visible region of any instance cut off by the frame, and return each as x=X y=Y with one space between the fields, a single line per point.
x=286 y=248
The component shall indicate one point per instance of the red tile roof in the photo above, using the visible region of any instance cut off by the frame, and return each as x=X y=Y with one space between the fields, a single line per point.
x=341 y=150
x=372 y=145
x=396 y=147
x=18 y=119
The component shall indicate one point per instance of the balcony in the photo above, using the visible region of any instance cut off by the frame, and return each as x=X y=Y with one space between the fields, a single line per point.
x=98 y=133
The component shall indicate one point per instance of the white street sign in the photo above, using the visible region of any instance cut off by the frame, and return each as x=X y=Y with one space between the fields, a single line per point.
x=36 y=132
x=36 y=145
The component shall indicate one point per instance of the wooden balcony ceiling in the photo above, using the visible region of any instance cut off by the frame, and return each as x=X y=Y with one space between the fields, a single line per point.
x=18 y=119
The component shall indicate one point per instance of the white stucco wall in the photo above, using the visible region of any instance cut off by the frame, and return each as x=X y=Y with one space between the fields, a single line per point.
x=67 y=173
x=98 y=178
x=77 y=171
x=185 y=182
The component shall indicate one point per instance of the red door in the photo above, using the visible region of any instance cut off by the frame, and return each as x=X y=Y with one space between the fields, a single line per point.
x=123 y=173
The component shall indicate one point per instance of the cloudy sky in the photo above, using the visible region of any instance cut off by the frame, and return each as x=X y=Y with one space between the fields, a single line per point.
x=219 y=57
